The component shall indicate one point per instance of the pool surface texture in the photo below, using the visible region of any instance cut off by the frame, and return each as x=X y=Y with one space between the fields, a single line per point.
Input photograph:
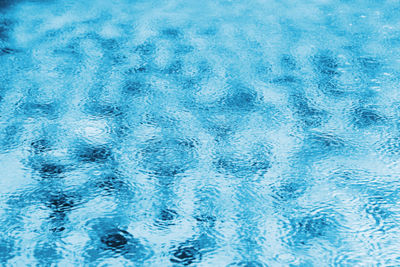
x=242 y=133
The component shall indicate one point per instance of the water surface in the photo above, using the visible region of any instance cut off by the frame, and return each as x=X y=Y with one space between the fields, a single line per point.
x=202 y=133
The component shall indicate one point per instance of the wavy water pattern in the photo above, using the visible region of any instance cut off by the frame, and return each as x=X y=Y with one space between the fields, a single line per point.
x=199 y=133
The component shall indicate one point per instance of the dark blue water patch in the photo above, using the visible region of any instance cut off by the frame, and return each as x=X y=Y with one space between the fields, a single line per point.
x=186 y=253
x=112 y=52
x=390 y=147
x=240 y=98
x=171 y=33
x=135 y=82
x=286 y=80
x=288 y=63
x=135 y=86
x=140 y=71
x=183 y=49
x=94 y=153
x=318 y=143
x=110 y=44
x=98 y=109
x=71 y=49
x=204 y=68
x=242 y=167
x=331 y=87
x=2 y=94
x=7 y=248
x=210 y=117
x=367 y=116
x=48 y=168
x=290 y=189
x=111 y=184
x=394 y=40
x=166 y=217
x=378 y=213
x=51 y=170
x=325 y=63
x=41 y=145
x=46 y=253
x=309 y=115
x=370 y=66
x=58 y=222
x=60 y=202
x=220 y=130
x=4 y=4
x=257 y=162
x=376 y=207
x=208 y=31
x=146 y=49
x=56 y=225
x=96 y=91
x=317 y=226
x=7 y=51
x=206 y=222
x=109 y=240
x=174 y=68
x=325 y=141
x=10 y=136
x=35 y=109
x=116 y=239
x=169 y=156
x=6 y=29
x=262 y=68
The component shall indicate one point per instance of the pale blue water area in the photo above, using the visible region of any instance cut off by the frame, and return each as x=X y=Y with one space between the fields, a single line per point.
x=202 y=133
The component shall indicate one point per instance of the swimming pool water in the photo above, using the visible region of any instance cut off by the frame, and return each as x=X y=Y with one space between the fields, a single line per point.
x=201 y=133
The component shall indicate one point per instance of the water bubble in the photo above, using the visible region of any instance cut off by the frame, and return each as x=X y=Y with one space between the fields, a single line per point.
x=166 y=217
x=186 y=253
x=116 y=240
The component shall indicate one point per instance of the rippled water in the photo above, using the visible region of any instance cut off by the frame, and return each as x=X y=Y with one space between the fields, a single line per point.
x=203 y=133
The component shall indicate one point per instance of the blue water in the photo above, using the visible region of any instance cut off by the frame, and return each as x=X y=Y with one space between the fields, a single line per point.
x=202 y=133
